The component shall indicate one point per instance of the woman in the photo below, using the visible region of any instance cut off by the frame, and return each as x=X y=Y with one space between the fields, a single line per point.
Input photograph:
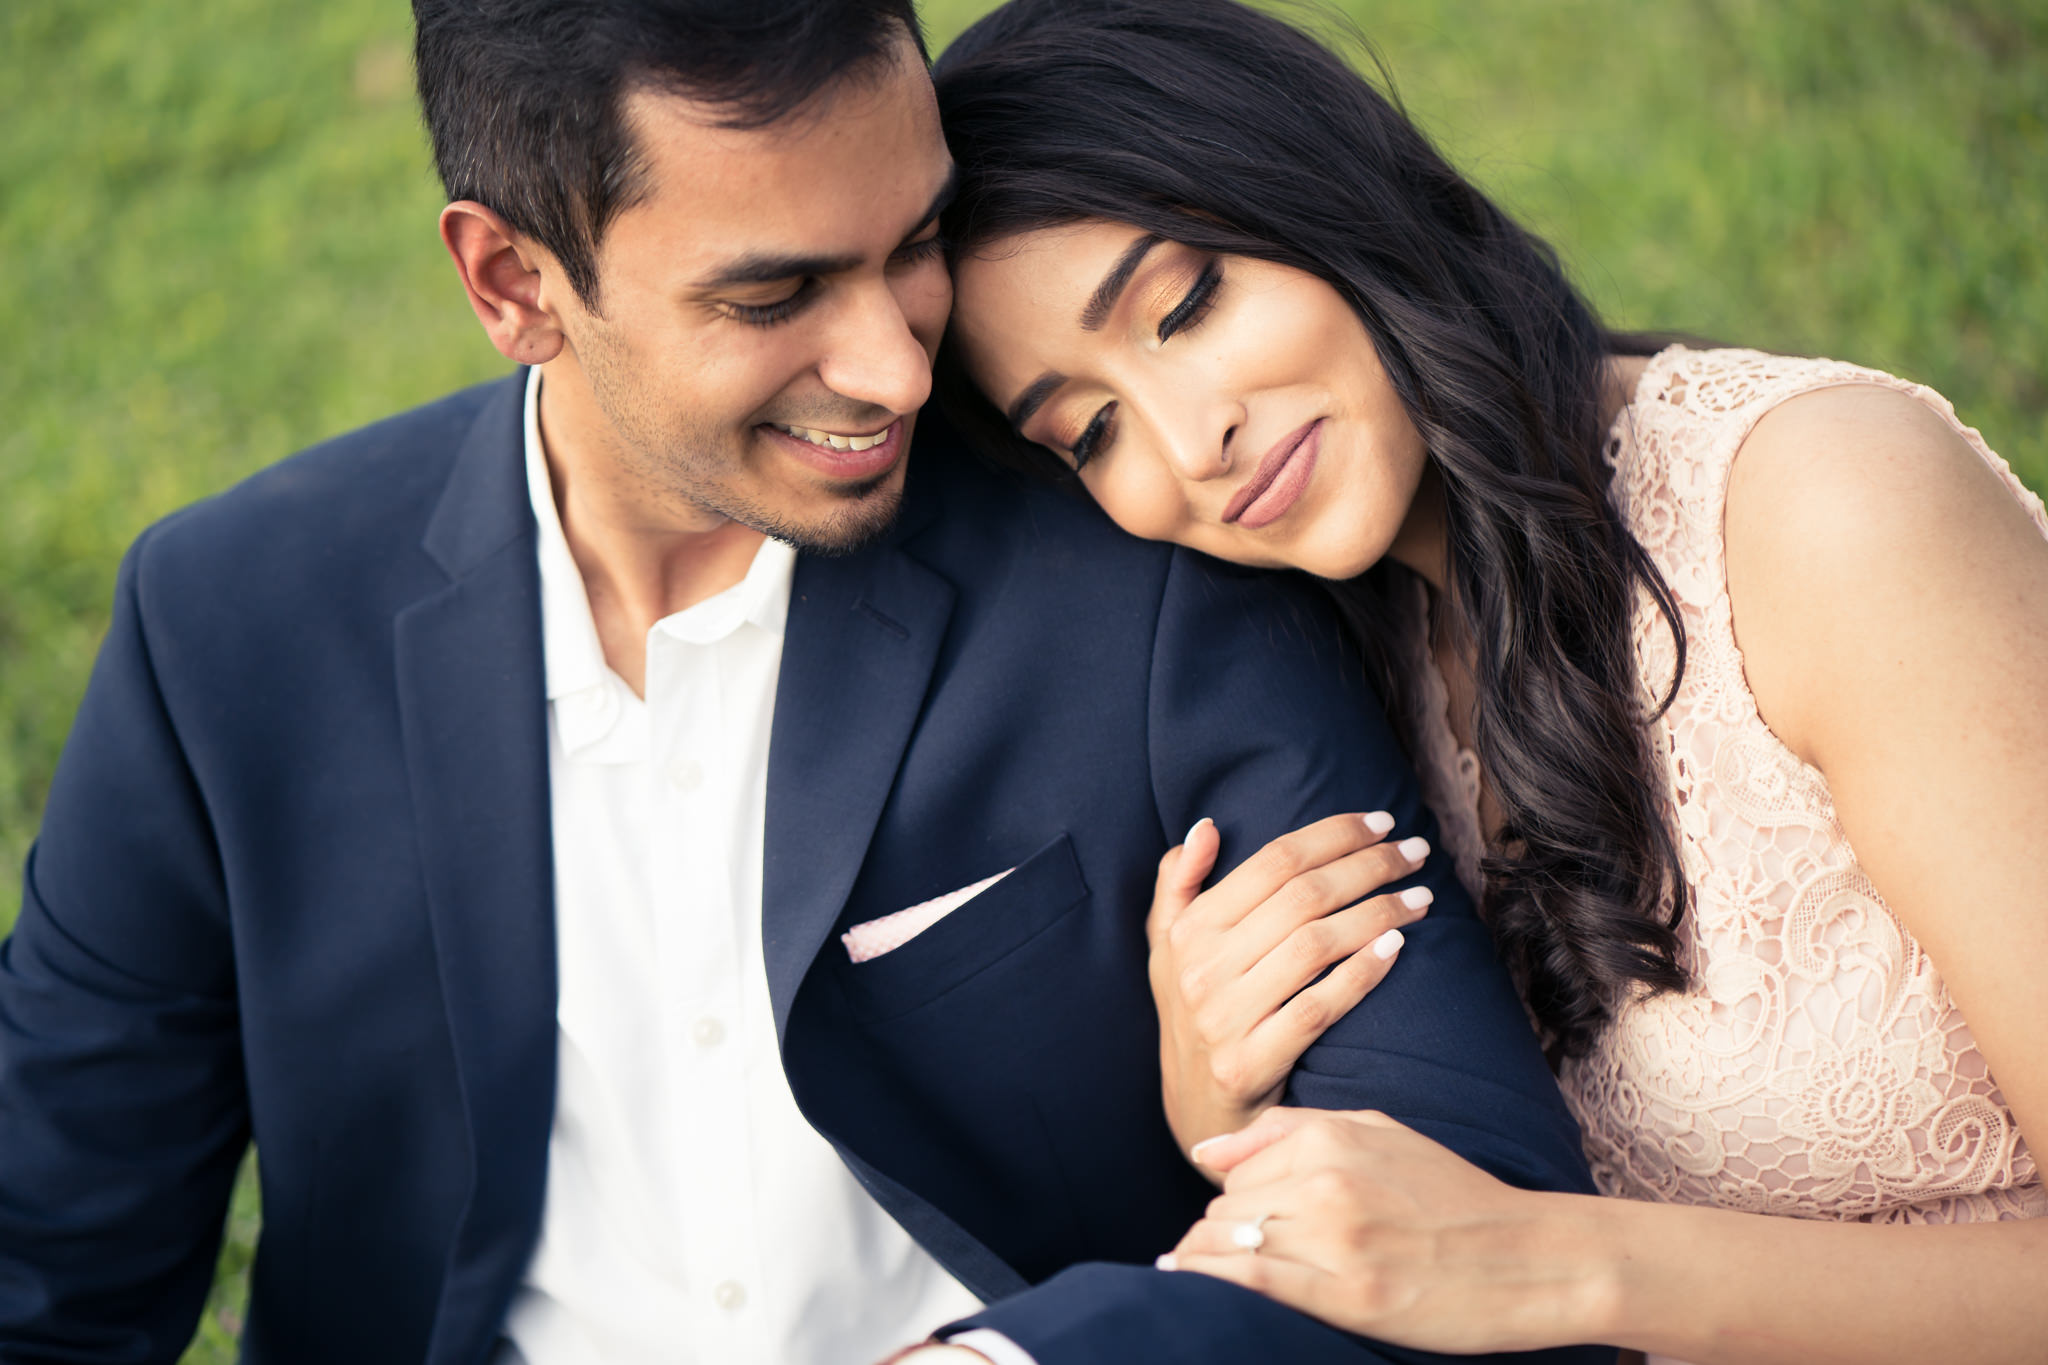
x=1207 y=272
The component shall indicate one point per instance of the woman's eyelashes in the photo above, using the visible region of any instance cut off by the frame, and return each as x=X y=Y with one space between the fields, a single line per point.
x=1195 y=304
x=1188 y=313
x=1095 y=436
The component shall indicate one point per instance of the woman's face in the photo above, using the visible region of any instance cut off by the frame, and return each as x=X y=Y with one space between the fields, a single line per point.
x=1223 y=403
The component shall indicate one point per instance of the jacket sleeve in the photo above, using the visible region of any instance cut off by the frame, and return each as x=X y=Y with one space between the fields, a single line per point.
x=122 y=1106
x=1099 y=1314
x=1260 y=719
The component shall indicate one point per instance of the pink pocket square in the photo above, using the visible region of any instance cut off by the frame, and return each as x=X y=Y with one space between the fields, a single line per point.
x=890 y=932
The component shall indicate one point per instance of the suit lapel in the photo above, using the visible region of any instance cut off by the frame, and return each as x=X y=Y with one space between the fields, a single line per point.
x=472 y=698
x=857 y=657
x=862 y=637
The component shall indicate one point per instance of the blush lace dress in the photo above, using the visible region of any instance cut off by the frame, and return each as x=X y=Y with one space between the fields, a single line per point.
x=1817 y=1067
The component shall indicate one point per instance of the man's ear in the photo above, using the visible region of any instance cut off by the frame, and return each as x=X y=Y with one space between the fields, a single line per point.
x=500 y=271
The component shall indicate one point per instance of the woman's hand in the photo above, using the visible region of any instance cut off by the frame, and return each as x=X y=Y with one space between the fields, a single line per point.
x=1234 y=968
x=1373 y=1228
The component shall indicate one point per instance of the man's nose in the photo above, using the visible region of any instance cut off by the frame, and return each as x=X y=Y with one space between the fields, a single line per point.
x=874 y=357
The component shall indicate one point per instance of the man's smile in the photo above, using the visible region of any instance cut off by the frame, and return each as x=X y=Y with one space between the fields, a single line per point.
x=841 y=457
x=833 y=438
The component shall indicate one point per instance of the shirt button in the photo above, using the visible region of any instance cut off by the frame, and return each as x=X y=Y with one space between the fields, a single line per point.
x=708 y=1032
x=730 y=1295
x=687 y=774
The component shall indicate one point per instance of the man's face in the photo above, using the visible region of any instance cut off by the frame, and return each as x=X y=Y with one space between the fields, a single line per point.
x=767 y=316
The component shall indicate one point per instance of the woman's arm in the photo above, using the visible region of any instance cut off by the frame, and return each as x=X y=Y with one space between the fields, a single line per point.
x=1375 y=1229
x=1891 y=600
x=1719 y=1288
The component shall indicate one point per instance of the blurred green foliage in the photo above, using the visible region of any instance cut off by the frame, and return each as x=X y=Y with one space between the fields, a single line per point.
x=217 y=218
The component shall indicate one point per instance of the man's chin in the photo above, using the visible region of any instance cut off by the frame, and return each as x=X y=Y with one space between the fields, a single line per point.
x=856 y=516
x=861 y=525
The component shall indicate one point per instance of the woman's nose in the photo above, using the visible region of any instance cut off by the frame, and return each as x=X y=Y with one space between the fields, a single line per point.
x=1204 y=444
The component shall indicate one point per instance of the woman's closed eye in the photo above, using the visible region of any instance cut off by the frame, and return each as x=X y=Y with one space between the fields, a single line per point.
x=1195 y=304
x=1095 y=436
x=1183 y=316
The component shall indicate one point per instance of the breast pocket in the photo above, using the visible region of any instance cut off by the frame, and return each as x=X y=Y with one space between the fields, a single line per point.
x=1044 y=889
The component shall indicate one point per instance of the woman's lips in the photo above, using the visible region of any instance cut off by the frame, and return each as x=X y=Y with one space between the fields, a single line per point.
x=851 y=465
x=1279 y=479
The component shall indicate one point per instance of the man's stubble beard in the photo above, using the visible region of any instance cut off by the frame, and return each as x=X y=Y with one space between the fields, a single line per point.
x=864 y=513
x=671 y=468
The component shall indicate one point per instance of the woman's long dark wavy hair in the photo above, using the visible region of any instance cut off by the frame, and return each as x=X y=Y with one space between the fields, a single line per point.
x=1223 y=128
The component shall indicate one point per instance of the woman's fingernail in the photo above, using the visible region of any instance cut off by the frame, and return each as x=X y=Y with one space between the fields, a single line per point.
x=1192 y=828
x=1415 y=849
x=1167 y=1262
x=1195 y=1152
x=1387 y=944
x=1415 y=897
x=1379 y=822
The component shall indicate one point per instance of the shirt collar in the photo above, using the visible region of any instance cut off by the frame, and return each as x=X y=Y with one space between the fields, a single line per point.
x=761 y=599
x=574 y=657
x=569 y=644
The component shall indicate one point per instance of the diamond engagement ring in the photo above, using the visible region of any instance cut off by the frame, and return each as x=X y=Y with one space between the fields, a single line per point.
x=1250 y=1236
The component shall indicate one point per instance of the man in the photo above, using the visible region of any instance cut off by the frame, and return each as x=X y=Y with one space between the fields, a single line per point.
x=508 y=813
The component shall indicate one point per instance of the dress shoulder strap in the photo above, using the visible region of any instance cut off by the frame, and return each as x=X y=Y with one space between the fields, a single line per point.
x=1672 y=448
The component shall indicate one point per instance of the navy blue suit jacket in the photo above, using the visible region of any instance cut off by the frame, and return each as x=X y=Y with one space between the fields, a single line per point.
x=294 y=882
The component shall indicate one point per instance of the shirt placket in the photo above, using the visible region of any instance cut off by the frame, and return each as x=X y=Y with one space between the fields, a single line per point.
x=699 y=951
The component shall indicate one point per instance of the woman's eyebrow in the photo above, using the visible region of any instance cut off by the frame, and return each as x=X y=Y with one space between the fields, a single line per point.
x=1033 y=398
x=1093 y=315
x=1112 y=287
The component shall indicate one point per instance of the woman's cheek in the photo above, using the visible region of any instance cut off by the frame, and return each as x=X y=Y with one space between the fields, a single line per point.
x=1141 y=502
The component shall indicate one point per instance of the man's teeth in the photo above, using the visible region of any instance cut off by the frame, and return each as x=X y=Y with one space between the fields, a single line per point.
x=828 y=439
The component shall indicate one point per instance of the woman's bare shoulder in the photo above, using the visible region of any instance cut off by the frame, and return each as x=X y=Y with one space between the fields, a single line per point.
x=1855 y=461
x=1857 y=517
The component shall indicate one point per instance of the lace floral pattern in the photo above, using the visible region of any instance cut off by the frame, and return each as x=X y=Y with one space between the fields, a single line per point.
x=1817 y=1067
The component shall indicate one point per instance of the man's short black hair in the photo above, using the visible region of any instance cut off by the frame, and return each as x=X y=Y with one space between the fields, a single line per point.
x=523 y=97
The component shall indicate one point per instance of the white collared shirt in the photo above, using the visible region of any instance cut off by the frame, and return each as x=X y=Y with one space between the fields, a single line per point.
x=693 y=1217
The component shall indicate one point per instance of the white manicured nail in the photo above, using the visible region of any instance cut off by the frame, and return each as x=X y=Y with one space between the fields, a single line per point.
x=1167 y=1262
x=1415 y=849
x=1195 y=1152
x=1379 y=822
x=1387 y=944
x=1415 y=897
x=1192 y=828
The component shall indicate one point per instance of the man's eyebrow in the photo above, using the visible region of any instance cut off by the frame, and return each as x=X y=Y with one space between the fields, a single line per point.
x=1033 y=398
x=1112 y=287
x=767 y=268
x=770 y=267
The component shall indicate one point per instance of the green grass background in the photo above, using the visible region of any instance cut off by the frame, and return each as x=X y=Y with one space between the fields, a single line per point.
x=217 y=229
